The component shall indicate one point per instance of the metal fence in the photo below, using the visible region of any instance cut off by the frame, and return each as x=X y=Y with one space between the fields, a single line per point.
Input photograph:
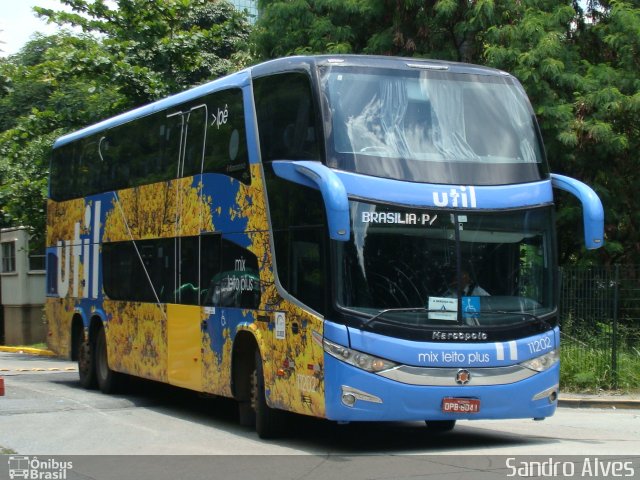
x=600 y=327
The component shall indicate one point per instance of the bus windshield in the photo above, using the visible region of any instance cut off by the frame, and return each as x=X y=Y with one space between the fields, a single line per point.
x=430 y=126
x=442 y=268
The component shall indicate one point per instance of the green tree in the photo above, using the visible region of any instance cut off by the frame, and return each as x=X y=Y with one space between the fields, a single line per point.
x=154 y=48
x=41 y=78
x=607 y=110
x=446 y=29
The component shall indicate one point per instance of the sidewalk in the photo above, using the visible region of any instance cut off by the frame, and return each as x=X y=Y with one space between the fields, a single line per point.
x=600 y=400
x=568 y=400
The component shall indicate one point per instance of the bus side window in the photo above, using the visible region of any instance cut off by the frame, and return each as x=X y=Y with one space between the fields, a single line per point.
x=287 y=119
x=118 y=271
x=159 y=261
x=188 y=282
x=127 y=270
x=52 y=274
x=299 y=227
x=92 y=165
x=307 y=271
x=146 y=160
x=226 y=138
x=70 y=172
x=300 y=262
x=169 y=133
x=114 y=153
x=55 y=177
x=209 y=266
x=196 y=134
x=238 y=283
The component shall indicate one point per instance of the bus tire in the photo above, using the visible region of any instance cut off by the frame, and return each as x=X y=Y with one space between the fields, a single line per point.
x=108 y=380
x=85 y=353
x=246 y=414
x=440 y=426
x=269 y=421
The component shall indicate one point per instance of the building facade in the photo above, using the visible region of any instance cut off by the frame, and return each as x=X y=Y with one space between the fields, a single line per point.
x=22 y=290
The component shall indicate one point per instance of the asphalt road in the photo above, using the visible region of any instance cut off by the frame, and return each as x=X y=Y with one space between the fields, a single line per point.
x=45 y=410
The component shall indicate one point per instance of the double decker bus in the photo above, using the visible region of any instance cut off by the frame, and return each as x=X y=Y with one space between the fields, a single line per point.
x=354 y=238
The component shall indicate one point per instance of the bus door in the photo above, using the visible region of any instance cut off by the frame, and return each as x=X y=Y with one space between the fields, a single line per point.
x=184 y=317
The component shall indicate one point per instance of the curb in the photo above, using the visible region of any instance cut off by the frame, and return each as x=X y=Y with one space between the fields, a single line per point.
x=611 y=403
x=28 y=350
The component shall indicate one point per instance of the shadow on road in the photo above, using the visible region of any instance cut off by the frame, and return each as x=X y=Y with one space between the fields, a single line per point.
x=311 y=434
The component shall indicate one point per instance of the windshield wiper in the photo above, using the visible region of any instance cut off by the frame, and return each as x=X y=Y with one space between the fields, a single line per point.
x=377 y=316
x=514 y=312
x=532 y=316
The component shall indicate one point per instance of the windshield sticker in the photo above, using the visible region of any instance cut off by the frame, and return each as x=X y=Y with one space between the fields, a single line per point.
x=470 y=307
x=443 y=308
x=424 y=219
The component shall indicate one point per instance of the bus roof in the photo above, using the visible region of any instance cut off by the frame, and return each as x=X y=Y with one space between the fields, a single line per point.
x=373 y=61
x=243 y=77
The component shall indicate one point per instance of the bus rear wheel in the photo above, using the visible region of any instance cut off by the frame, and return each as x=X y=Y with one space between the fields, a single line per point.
x=440 y=426
x=269 y=421
x=108 y=380
x=86 y=362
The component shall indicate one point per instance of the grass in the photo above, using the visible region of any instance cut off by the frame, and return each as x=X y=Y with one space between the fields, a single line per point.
x=6 y=451
x=588 y=369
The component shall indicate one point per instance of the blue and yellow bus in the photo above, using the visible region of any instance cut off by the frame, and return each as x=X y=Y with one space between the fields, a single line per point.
x=354 y=238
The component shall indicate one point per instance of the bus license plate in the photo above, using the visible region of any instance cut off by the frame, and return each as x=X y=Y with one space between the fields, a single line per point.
x=460 y=405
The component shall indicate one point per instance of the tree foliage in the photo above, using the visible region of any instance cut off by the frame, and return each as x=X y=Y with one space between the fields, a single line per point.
x=129 y=52
x=578 y=65
x=153 y=48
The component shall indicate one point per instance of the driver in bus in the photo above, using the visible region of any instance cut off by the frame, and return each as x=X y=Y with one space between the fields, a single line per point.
x=470 y=288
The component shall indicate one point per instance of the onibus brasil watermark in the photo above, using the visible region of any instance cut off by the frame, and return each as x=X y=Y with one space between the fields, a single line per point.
x=586 y=468
x=38 y=469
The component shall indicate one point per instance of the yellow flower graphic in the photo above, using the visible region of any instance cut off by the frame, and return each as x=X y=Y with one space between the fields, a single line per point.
x=160 y=210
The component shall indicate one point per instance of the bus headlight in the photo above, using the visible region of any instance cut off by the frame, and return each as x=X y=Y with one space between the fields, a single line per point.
x=544 y=362
x=357 y=359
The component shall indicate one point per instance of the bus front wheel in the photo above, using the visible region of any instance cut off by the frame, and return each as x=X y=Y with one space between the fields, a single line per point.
x=269 y=421
x=108 y=380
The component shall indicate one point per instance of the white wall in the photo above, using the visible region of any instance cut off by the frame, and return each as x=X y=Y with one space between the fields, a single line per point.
x=23 y=292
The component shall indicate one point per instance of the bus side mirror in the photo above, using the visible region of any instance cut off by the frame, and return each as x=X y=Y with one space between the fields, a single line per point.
x=592 y=211
x=334 y=194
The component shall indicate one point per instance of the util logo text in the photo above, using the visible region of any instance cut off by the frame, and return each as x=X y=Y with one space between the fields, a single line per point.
x=462 y=196
x=83 y=247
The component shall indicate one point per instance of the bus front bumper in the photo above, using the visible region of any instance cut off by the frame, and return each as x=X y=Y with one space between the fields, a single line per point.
x=353 y=394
